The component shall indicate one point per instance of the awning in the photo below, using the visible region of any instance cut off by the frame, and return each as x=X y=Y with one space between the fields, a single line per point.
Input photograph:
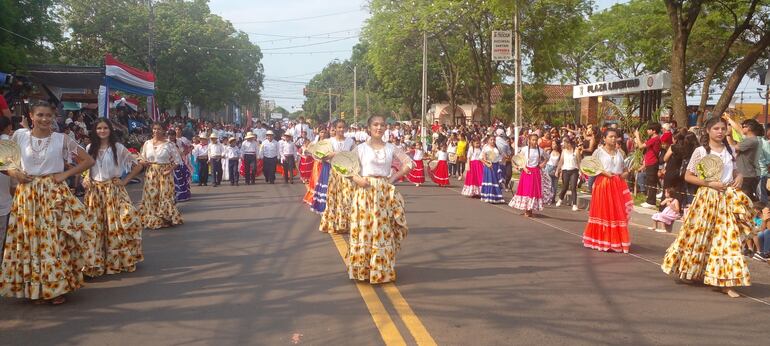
x=71 y=106
x=83 y=77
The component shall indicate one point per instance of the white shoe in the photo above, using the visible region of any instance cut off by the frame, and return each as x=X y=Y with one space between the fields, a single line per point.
x=574 y=207
x=659 y=195
x=660 y=230
x=558 y=203
x=647 y=205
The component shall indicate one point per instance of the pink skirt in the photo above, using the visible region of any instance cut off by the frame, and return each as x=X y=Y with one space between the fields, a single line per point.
x=473 y=178
x=667 y=216
x=529 y=192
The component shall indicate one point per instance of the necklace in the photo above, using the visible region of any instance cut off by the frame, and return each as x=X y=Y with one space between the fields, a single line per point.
x=39 y=148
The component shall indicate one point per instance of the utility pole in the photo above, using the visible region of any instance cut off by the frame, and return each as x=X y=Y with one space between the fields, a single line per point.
x=355 y=100
x=517 y=83
x=150 y=24
x=423 y=134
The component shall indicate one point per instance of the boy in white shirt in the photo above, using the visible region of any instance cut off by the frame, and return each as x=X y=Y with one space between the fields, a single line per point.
x=232 y=155
x=287 y=151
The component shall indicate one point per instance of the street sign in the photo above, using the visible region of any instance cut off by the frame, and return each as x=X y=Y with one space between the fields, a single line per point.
x=276 y=116
x=502 y=45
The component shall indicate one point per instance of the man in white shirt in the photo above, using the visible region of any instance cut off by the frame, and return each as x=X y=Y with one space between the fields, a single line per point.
x=288 y=153
x=201 y=153
x=216 y=150
x=249 y=151
x=302 y=127
x=269 y=157
x=260 y=132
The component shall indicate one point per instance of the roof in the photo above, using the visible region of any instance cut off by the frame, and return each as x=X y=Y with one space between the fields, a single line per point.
x=63 y=76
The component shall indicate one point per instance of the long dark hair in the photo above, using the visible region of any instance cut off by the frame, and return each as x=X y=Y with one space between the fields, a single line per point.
x=705 y=138
x=96 y=142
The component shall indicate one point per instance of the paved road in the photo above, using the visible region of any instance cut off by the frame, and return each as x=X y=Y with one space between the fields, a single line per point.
x=248 y=267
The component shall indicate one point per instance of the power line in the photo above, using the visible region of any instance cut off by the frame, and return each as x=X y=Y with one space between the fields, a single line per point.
x=15 y=34
x=311 y=44
x=298 y=19
x=311 y=53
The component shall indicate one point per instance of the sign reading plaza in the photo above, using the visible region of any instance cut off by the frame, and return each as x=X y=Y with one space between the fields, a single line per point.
x=661 y=80
x=502 y=45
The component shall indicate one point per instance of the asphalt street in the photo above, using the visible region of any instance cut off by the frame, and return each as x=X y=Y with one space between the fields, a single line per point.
x=249 y=267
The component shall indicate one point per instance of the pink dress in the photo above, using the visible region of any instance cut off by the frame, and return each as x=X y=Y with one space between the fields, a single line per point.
x=667 y=216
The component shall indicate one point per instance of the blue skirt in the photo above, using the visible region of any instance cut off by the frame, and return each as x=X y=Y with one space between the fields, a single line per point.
x=491 y=191
x=182 y=183
x=194 y=163
x=321 y=187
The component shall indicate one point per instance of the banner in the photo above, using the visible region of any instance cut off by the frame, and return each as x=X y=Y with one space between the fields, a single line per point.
x=104 y=108
x=152 y=109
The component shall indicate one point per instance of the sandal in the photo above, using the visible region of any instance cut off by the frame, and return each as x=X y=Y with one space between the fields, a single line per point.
x=58 y=300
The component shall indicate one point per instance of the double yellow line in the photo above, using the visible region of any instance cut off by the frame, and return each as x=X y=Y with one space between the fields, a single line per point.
x=388 y=330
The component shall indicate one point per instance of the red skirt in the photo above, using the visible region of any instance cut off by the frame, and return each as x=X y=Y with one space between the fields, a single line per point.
x=611 y=205
x=440 y=175
x=306 y=167
x=417 y=174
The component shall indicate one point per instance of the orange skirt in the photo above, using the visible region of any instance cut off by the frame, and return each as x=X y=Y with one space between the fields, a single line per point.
x=311 y=182
x=611 y=205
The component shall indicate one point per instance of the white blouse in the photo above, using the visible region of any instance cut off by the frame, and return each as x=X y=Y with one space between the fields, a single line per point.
x=474 y=154
x=342 y=145
x=442 y=155
x=105 y=167
x=486 y=153
x=162 y=153
x=451 y=148
x=378 y=162
x=44 y=156
x=569 y=160
x=611 y=163
x=534 y=156
x=418 y=155
x=727 y=161
x=553 y=160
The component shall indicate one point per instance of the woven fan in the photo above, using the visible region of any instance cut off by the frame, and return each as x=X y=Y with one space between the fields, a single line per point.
x=591 y=166
x=433 y=164
x=491 y=156
x=10 y=155
x=346 y=163
x=320 y=149
x=519 y=161
x=710 y=168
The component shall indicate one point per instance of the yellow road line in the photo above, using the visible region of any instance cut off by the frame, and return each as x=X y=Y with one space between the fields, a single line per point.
x=382 y=320
x=412 y=322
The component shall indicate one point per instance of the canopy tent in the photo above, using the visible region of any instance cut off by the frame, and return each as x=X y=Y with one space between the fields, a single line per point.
x=60 y=76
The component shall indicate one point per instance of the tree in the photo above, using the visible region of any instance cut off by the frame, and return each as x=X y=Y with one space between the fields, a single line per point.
x=36 y=37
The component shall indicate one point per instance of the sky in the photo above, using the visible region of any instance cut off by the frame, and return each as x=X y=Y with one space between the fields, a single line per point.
x=299 y=37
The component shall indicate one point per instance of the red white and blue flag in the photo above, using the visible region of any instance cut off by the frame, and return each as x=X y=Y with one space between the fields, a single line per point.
x=120 y=76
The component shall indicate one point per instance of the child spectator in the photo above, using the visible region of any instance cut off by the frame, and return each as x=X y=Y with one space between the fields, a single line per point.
x=669 y=214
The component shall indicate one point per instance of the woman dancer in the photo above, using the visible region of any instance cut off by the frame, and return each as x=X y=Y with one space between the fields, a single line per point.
x=475 y=175
x=708 y=246
x=322 y=183
x=417 y=175
x=440 y=175
x=305 y=161
x=377 y=219
x=529 y=192
x=158 y=208
x=552 y=184
x=611 y=202
x=309 y=198
x=118 y=237
x=181 y=172
x=335 y=216
x=491 y=190
x=49 y=235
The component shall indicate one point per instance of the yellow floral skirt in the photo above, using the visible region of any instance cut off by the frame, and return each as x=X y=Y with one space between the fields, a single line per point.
x=337 y=213
x=118 y=238
x=48 y=242
x=377 y=227
x=709 y=243
x=158 y=209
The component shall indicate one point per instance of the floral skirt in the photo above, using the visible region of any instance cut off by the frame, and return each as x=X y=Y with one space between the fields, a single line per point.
x=417 y=174
x=440 y=175
x=48 y=242
x=158 y=208
x=529 y=192
x=182 y=183
x=708 y=246
x=336 y=216
x=321 y=189
x=611 y=205
x=491 y=190
x=377 y=228
x=547 y=186
x=118 y=229
x=473 y=178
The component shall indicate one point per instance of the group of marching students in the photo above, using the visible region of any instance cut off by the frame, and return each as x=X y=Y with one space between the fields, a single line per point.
x=52 y=239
